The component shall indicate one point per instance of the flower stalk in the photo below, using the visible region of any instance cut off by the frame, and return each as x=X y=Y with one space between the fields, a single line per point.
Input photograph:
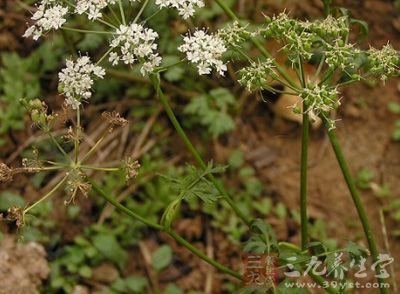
x=170 y=232
x=156 y=84
x=356 y=198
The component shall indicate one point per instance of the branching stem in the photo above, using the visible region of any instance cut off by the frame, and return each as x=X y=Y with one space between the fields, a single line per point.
x=171 y=233
x=156 y=83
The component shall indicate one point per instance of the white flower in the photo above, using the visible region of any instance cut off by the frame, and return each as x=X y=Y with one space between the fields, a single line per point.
x=135 y=42
x=205 y=51
x=47 y=17
x=148 y=67
x=92 y=7
x=76 y=80
x=74 y=103
x=113 y=58
x=186 y=8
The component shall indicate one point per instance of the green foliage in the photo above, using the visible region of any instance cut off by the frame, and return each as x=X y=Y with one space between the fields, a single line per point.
x=161 y=258
x=108 y=246
x=236 y=159
x=9 y=199
x=364 y=178
x=211 y=111
x=131 y=284
x=195 y=183
x=263 y=239
x=20 y=77
x=394 y=107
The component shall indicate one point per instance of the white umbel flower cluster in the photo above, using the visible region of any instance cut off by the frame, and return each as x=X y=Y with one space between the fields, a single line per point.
x=92 y=7
x=48 y=16
x=205 y=51
x=135 y=42
x=76 y=80
x=186 y=8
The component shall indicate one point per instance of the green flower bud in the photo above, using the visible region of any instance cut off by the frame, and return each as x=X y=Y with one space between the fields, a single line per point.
x=171 y=213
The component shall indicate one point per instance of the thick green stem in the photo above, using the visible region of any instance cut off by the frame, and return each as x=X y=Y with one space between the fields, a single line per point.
x=303 y=181
x=304 y=163
x=156 y=83
x=322 y=282
x=171 y=233
x=356 y=198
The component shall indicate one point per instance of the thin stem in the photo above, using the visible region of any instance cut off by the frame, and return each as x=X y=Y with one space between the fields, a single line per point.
x=153 y=15
x=51 y=192
x=104 y=55
x=156 y=83
x=86 y=31
x=78 y=129
x=114 y=14
x=121 y=10
x=87 y=155
x=304 y=164
x=141 y=11
x=171 y=233
x=44 y=168
x=99 y=168
x=164 y=68
x=124 y=209
x=98 y=19
x=203 y=256
x=319 y=68
x=58 y=145
x=355 y=196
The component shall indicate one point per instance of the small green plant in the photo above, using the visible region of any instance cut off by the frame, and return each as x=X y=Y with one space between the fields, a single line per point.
x=211 y=111
x=394 y=107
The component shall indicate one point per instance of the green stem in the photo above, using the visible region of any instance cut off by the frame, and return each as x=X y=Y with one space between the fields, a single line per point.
x=303 y=180
x=124 y=209
x=99 y=168
x=171 y=233
x=58 y=145
x=153 y=15
x=304 y=164
x=78 y=130
x=51 y=192
x=86 y=31
x=320 y=281
x=87 y=155
x=141 y=11
x=156 y=83
x=121 y=9
x=203 y=256
x=356 y=198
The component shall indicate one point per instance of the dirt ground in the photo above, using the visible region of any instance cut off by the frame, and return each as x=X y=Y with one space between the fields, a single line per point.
x=272 y=145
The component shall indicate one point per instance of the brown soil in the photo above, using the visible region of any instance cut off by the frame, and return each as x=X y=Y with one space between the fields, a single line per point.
x=22 y=267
